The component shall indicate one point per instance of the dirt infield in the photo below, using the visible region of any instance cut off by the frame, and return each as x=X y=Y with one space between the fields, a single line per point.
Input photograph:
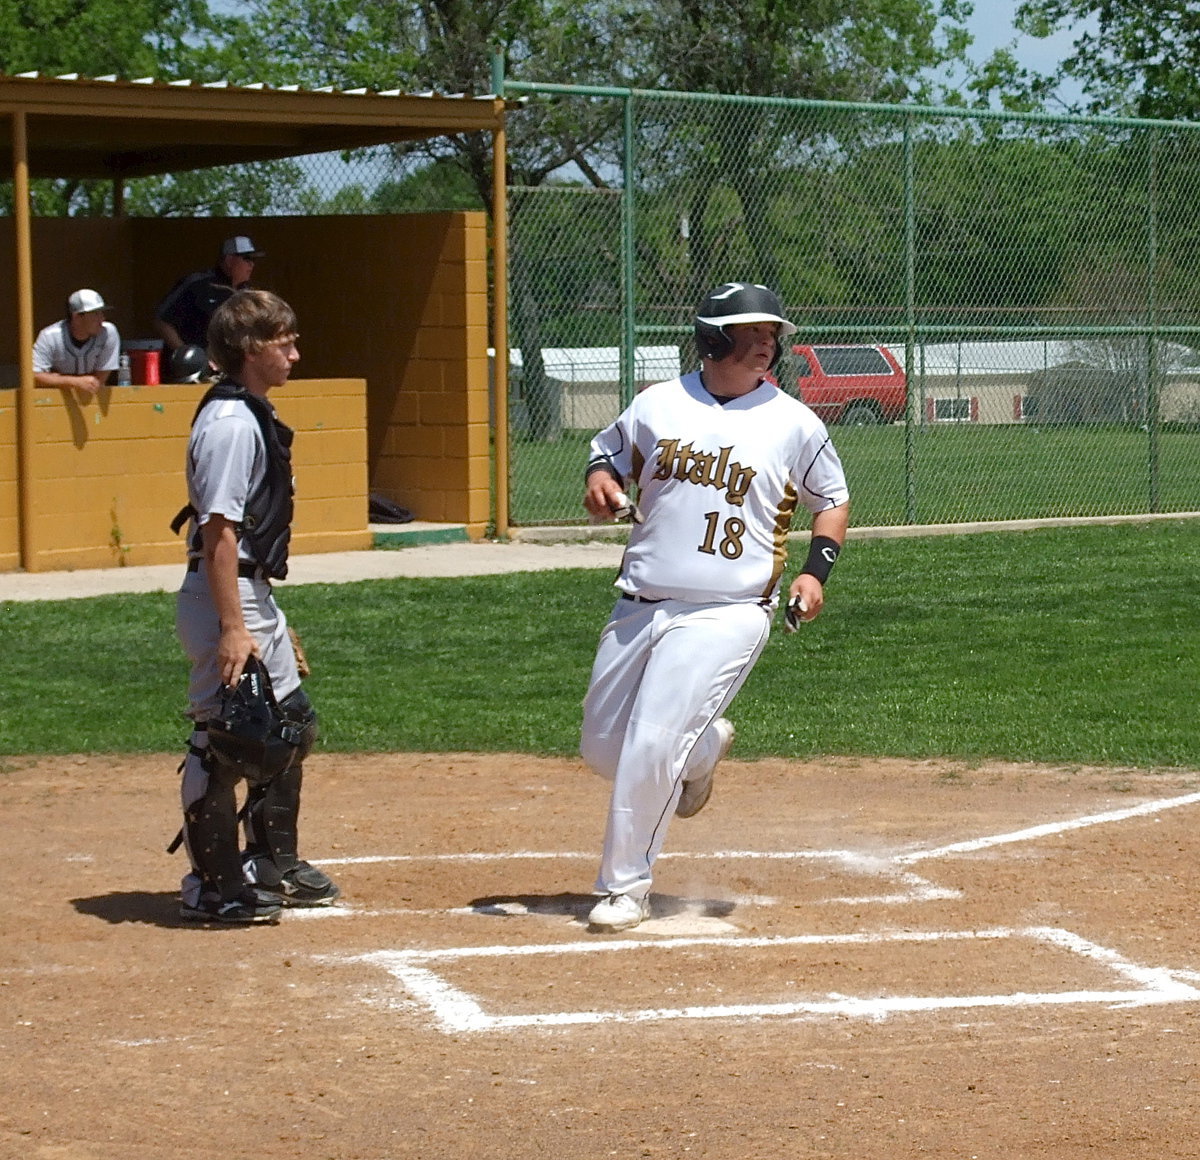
x=846 y=959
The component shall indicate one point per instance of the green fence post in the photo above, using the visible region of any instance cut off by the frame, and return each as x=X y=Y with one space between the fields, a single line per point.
x=1154 y=499
x=910 y=332
x=628 y=259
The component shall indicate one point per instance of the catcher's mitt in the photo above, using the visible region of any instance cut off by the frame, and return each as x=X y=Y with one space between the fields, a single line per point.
x=302 y=665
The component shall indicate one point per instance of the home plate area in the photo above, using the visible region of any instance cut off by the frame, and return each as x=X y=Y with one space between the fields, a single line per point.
x=880 y=936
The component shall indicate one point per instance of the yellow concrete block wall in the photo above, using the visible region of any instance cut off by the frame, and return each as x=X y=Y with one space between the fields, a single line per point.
x=398 y=300
x=107 y=475
x=420 y=457
x=10 y=543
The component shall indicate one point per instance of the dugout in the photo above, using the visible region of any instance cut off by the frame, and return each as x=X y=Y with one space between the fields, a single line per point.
x=393 y=379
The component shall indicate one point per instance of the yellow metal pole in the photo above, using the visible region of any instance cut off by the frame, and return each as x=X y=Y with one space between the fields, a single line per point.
x=500 y=321
x=24 y=274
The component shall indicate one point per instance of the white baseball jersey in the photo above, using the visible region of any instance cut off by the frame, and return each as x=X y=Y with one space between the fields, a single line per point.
x=718 y=485
x=56 y=351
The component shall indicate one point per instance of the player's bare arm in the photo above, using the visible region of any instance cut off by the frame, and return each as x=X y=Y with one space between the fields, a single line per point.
x=832 y=524
x=88 y=384
x=219 y=538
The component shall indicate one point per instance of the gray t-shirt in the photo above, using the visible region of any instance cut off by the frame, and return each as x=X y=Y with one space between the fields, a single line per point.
x=54 y=350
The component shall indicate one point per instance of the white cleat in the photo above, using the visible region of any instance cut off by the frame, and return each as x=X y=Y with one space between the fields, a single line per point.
x=618 y=912
x=697 y=790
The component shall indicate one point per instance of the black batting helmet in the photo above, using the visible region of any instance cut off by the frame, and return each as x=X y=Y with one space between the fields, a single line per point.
x=189 y=364
x=250 y=736
x=730 y=304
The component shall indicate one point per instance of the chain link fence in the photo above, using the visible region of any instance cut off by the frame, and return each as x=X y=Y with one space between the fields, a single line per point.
x=998 y=315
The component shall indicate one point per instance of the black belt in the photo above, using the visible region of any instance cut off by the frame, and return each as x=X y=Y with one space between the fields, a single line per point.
x=247 y=569
x=641 y=599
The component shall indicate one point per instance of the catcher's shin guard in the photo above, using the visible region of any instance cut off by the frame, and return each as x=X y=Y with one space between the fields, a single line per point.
x=298 y=710
x=210 y=827
x=272 y=819
x=271 y=862
x=273 y=810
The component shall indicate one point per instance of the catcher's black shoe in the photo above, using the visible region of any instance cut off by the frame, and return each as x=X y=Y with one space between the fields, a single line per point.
x=250 y=906
x=302 y=885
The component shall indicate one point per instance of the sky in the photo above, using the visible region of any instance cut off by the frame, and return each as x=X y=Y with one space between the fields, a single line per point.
x=992 y=28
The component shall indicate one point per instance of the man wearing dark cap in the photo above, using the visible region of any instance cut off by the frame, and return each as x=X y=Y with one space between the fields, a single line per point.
x=183 y=315
x=81 y=350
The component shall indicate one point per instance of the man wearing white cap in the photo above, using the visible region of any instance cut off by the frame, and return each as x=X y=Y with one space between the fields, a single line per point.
x=79 y=352
x=183 y=315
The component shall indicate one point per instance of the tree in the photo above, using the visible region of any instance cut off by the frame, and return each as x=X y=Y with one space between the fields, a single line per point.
x=838 y=50
x=1137 y=57
x=441 y=46
x=96 y=37
x=166 y=39
x=725 y=161
x=249 y=190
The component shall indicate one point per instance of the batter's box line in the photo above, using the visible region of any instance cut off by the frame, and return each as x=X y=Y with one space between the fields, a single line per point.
x=916 y=888
x=1048 y=829
x=911 y=887
x=456 y=1012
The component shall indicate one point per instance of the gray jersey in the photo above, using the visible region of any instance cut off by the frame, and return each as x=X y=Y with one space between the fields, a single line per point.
x=226 y=461
x=54 y=350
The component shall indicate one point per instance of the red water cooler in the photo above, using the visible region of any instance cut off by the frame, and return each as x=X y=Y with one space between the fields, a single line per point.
x=145 y=365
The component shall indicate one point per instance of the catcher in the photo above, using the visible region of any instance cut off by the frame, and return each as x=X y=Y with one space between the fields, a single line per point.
x=252 y=721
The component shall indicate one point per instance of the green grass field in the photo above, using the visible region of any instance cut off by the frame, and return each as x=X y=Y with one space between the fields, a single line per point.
x=961 y=473
x=1073 y=646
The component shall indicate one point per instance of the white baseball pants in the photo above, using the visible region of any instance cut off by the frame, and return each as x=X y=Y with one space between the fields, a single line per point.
x=664 y=672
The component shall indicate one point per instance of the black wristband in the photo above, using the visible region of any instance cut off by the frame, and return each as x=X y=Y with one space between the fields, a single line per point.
x=822 y=555
x=603 y=465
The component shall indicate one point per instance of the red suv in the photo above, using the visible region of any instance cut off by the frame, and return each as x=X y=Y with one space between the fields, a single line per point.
x=856 y=385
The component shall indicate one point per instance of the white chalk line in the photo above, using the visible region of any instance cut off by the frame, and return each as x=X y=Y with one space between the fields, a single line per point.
x=455 y=1011
x=1049 y=829
x=858 y=862
x=911 y=887
x=590 y=855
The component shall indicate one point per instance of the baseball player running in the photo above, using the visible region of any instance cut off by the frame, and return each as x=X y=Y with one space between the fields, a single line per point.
x=240 y=502
x=721 y=458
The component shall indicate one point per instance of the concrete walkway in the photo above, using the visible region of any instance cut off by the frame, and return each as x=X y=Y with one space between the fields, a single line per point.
x=483 y=559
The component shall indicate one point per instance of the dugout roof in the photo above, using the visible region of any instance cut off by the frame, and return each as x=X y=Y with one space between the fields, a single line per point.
x=104 y=127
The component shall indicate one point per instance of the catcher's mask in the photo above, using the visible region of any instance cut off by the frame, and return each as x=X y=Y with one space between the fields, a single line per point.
x=189 y=364
x=250 y=737
x=733 y=303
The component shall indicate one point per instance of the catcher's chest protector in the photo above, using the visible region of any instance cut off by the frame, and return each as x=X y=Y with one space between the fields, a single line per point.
x=267 y=525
